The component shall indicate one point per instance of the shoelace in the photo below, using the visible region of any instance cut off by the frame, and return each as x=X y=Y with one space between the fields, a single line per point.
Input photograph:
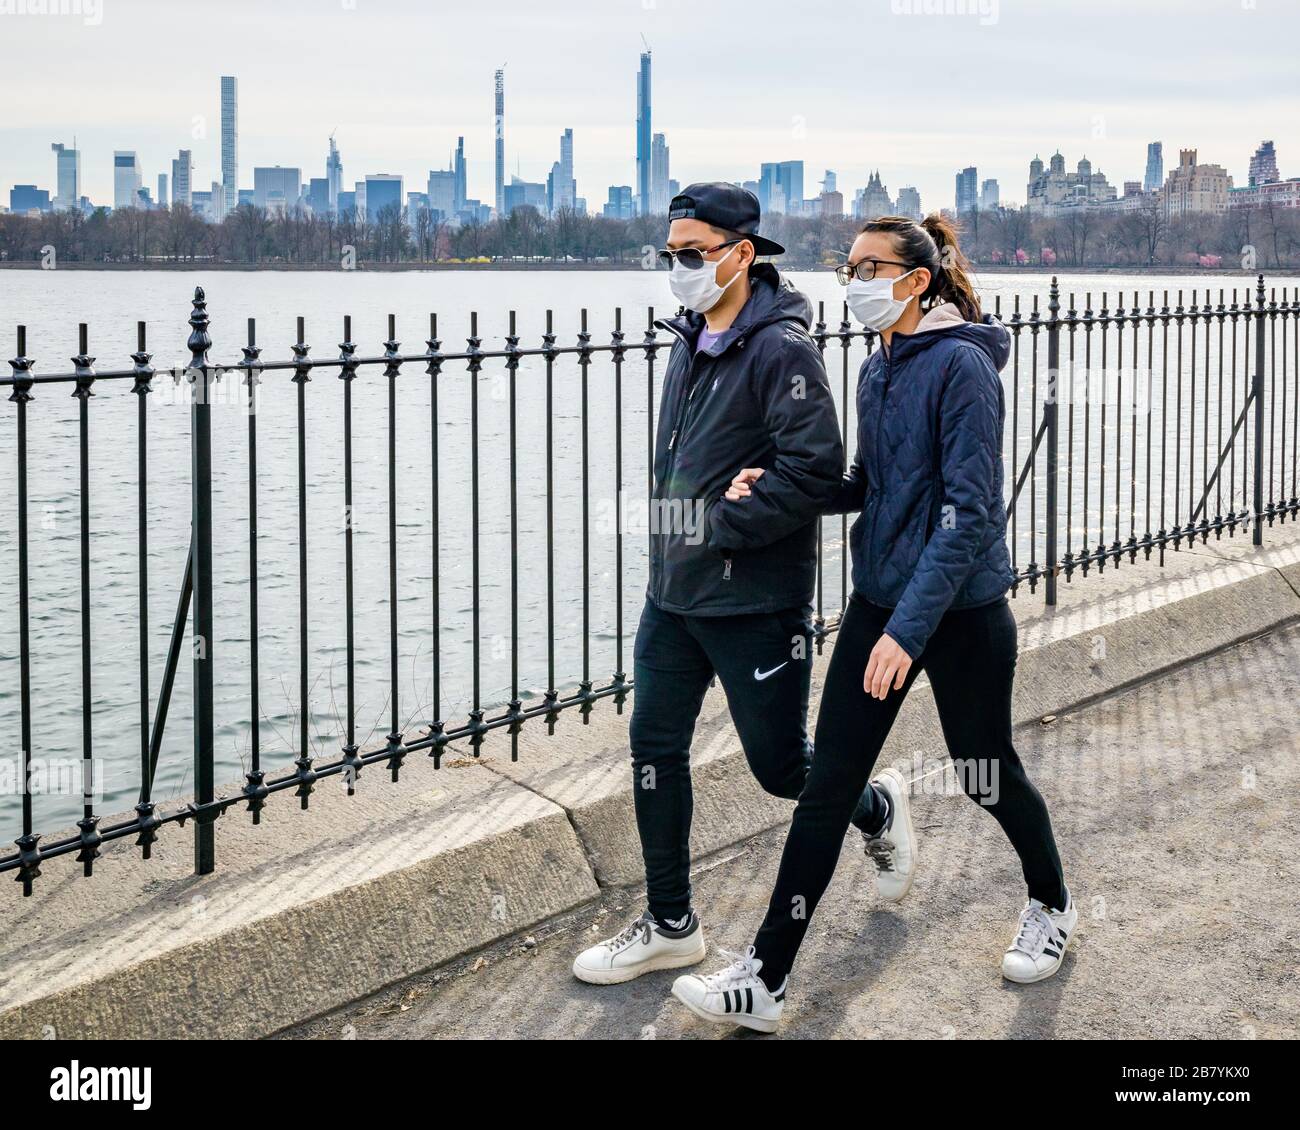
x=742 y=968
x=880 y=850
x=1034 y=932
x=638 y=930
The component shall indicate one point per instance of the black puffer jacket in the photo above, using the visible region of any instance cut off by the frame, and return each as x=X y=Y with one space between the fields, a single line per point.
x=757 y=397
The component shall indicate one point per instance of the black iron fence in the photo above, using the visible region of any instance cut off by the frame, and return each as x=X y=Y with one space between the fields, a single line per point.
x=1133 y=428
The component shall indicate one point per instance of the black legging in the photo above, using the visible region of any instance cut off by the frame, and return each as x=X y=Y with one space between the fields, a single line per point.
x=971 y=660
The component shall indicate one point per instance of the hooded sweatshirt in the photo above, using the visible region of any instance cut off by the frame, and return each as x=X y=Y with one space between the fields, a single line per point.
x=928 y=474
x=757 y=396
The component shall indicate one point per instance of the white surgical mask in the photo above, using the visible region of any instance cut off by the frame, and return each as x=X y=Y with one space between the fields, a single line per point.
x=873 y=303
x=698 y=290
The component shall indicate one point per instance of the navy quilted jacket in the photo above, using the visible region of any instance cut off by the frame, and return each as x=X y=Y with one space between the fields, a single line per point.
x=928 y=475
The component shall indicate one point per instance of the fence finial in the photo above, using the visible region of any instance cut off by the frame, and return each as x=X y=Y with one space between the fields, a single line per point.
x=199 y=342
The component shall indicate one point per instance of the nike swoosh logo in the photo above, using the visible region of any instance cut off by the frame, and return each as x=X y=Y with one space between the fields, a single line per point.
x=759 y=676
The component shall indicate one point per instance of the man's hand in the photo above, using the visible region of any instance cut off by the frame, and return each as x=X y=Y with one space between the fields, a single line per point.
x=740 y=484
x=887 y=668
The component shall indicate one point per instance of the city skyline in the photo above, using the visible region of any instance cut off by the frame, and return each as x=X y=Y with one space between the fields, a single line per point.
x=409 y=129
x=779 y=186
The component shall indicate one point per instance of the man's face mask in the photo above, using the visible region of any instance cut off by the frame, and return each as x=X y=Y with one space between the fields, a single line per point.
x=694 y=279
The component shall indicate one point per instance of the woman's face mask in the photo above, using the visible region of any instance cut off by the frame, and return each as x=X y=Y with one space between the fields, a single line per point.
x=873 y=302
x=698 y=289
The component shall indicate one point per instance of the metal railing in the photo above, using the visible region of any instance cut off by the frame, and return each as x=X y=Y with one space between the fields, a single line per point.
x=1160 y=426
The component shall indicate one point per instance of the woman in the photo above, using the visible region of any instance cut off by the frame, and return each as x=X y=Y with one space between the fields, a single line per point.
x=930 y=576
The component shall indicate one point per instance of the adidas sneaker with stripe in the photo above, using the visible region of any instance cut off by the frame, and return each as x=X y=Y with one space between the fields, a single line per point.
x=1042 y=935
x=734 y=995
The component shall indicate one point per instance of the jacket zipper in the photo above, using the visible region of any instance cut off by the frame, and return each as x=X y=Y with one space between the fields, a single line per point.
x=880 y=416
x=682 y=402
x=684 y=410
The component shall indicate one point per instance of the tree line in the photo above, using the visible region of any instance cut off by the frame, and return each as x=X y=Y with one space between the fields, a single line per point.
x=1268 y=236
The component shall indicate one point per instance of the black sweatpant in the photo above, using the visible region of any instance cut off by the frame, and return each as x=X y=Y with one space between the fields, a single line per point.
x=970 y=659
x=764 y=661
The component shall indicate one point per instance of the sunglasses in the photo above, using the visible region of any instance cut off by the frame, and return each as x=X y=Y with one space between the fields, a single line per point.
x=691 y=258
x=864 y=270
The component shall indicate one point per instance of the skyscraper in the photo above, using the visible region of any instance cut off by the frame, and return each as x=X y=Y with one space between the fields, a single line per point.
x=126 y=178
x=458 y=167
x=317 y=196
x=780 y=187
x=276 y=189
x=501 y=141
x=383 y=191
x=521 y=193
x=182 y=171
x=909 y=203
x=162 y=190
x=334 y=175
x=229 y=146
x=1155 y=167
x=441 y=191
x=967 y=190
x=24 y=198
x=659 y=194
x=1263 y=166
x=68 y=180
x=564 y=193
x=620 y=202
x=989 y=196
x=644 y=139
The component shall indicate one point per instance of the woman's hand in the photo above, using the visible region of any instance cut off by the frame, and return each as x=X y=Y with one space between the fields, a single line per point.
x=887 y=667
x=740 y=484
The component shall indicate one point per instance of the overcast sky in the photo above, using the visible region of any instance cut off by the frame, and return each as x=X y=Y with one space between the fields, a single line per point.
x=852 y=86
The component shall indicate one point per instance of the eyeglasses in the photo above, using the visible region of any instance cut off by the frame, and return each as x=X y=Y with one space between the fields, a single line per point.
x=691 y=258
x=864 y=270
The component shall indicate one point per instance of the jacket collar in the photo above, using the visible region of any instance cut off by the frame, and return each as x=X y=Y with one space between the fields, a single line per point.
x=945 y=324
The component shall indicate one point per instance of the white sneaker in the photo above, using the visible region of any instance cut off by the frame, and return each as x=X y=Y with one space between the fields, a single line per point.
x=642 y=947
x=893 y=849
x=1041 y=938
x=735 y=995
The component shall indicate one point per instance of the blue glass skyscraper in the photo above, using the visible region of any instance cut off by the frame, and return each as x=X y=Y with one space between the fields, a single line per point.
x=644 y=142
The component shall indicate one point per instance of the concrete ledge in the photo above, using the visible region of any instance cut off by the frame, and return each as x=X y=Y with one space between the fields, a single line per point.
x=313 y=910
x=305 y=913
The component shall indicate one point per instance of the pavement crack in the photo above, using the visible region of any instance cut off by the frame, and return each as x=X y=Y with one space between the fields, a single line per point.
x=589 y=854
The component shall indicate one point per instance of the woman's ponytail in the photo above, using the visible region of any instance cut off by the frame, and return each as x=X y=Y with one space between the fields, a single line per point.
x=951 y=283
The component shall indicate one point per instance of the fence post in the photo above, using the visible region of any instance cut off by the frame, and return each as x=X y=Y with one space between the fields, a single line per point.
x=1050 y=419
x=1257 y=391
x=200 y=376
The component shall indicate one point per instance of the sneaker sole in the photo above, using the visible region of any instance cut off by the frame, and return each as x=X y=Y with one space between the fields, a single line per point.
x=632 y=972
x=740 y=1019
x=1043 y=976
x=905 y=806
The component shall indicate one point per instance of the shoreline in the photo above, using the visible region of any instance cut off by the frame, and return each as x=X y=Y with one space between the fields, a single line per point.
x=433 y=268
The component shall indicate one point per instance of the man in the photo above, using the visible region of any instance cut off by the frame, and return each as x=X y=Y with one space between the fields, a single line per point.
x=731 y=583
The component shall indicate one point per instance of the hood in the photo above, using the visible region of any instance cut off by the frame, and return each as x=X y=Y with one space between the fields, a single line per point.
x=773 y=298
x=944 y=323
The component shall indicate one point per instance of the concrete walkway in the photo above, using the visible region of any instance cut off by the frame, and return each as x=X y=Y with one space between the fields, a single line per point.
x=1175 y=807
